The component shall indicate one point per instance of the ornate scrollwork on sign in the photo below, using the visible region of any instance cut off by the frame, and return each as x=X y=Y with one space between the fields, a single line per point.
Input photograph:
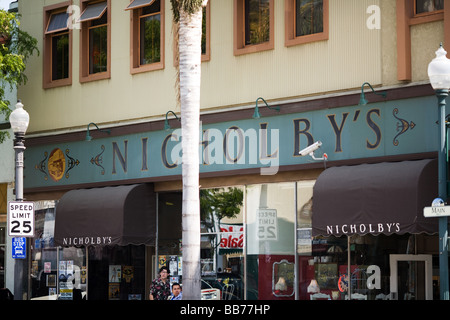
x=98 y=160
x=71 y=163
x=41 y=166
x=402 y=126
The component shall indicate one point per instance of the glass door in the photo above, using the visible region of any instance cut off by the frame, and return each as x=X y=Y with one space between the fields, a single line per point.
x=411 y=277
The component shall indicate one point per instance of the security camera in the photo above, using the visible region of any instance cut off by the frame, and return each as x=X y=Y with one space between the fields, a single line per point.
x=310 y=149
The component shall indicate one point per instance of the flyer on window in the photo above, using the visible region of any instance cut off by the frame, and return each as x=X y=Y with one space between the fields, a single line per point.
x=115 y=273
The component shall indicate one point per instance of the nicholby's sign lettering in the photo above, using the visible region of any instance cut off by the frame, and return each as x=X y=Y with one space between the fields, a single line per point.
x=86 y=241
x=363 y=228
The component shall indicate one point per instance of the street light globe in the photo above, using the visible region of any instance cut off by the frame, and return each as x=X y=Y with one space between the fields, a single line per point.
x=19 y=119
x=439 y=70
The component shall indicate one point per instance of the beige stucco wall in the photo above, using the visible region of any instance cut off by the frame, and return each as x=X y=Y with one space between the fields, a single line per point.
x=353 y=54
x=425 y=40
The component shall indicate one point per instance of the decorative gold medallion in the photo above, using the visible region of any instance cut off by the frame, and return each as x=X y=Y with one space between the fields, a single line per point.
x=56 y=164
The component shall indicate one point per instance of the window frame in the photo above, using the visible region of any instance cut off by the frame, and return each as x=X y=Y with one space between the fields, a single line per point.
x=85 y=76
x=290 y=38
x=406 y=17
x=427 y=13
x=239 y=30
x=47 y=74
x=207 y=55
x=424 y=17
x=135 y=60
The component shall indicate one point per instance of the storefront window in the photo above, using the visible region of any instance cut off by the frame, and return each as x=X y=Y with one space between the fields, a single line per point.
x=359 y=267
x=169 y=235
x=270 y=210
x=56 y=273
x=222 y=242
x=61 y=273
x=117 y=273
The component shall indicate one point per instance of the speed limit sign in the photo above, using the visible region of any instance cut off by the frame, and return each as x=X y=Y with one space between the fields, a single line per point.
x=21 y=219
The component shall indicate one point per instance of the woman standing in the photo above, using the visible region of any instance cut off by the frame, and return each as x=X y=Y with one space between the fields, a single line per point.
x=160 y=288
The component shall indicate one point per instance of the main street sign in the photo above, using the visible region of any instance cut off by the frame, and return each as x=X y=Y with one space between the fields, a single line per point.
x=433 y=212
x=21 y=219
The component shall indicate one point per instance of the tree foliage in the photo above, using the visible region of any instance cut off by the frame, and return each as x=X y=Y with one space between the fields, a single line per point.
x=224 y=204
x=189 y=6
x=16 y=46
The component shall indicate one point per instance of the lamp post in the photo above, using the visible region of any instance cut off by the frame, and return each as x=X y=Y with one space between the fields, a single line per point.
x=19 y=120
x=439 y=74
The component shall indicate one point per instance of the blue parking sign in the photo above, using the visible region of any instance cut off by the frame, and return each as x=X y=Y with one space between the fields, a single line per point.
x=19 y=248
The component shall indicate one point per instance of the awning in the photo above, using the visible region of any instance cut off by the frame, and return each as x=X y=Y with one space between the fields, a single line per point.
x=93 y=11
x=382 y=198
x=57 y=22
x=135 y=4
x=119 y=215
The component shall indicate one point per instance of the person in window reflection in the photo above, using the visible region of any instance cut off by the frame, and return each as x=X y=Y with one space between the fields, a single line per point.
x=176 y=292
x=160 y=288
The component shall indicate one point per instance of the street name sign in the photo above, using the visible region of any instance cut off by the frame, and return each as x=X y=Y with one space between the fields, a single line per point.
x=21 y=219
x=433 y=212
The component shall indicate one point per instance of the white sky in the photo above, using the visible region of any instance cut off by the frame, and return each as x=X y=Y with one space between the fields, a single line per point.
x=4 y=4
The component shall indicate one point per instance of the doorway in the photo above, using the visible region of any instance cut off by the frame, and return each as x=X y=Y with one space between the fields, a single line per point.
x=411 y=277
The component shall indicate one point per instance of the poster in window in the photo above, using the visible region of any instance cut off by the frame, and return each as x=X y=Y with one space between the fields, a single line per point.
x=114 y=291
x=173 y=265
x=115 y=273
x=62 y=269
x=162 y=262
x=327 y=275
x=128 y=273
x=47 y=267
x=51 y=291
x=83 y=275
x=51 y=280
x=69 y=268
x=34 y=268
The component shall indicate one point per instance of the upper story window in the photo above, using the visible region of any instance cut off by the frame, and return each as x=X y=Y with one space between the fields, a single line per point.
x=308 y=17
x=305 y=21
x=426 y=6
x=95 y=57
x=206 y=33
x=257 y=21
x=57 y=47
x=411 y=13
x=147 y=35
x=253 y=26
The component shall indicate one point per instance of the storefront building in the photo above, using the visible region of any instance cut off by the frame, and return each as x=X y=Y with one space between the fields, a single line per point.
x=103 y=157
x=303 y=223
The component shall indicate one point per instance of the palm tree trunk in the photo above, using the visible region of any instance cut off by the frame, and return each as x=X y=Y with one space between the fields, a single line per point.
x=190 y=33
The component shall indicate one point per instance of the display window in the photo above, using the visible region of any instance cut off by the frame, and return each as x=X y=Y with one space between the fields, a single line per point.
x=222 y=241
x=256 y=244
x=117 y=273
x=270 y=215
x=80 y=273
x=56 y=273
